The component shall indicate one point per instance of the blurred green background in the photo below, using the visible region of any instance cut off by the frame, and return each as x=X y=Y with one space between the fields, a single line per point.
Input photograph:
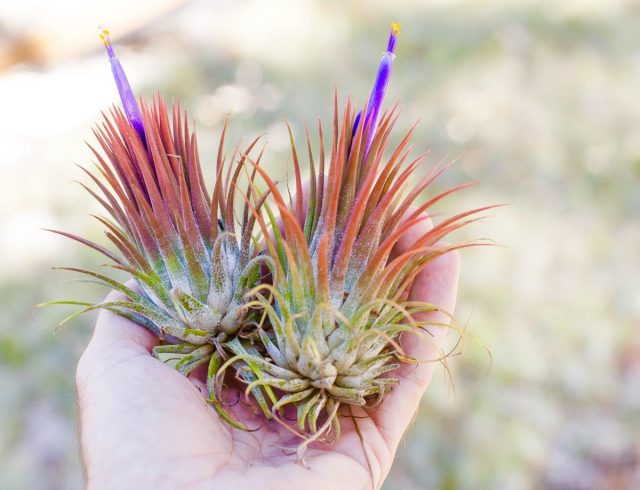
x=538 y=100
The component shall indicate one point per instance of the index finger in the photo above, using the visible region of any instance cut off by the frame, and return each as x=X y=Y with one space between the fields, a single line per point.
x=436 y=284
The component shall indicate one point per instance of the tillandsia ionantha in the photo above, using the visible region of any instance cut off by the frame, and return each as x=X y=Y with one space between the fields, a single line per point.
x=190 y=262
x=337 y=302
x=302 y=298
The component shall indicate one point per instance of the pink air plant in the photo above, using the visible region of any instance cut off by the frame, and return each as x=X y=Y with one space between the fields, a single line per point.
x=300 y=299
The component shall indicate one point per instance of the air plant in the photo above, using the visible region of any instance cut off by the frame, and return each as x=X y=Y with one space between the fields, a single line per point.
x=337 y=300
x=190 y=263
x=300 y=297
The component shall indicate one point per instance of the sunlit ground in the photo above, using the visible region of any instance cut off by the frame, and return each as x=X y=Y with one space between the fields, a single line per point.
x=537 y=100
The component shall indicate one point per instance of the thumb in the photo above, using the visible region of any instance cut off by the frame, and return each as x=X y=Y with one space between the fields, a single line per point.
x=115 y=339
x=114 y=329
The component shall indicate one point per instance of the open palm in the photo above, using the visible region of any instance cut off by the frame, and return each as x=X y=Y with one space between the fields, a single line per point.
x=144 y=425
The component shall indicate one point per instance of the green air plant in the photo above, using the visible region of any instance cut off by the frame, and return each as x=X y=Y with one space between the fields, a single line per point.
x=337 y=300
x=190 y=262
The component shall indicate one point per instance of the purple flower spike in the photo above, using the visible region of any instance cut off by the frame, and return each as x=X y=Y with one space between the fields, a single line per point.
x=380 y=86
x=129 y=103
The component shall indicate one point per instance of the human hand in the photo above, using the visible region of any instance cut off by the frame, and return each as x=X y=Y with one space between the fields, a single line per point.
x=144 y=425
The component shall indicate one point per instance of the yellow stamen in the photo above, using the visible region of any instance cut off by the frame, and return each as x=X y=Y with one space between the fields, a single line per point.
x=395 y=28
x=104 y=35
